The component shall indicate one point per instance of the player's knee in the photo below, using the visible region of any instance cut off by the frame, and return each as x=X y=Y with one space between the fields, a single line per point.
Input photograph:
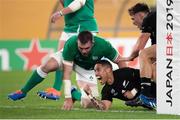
x=50 y=65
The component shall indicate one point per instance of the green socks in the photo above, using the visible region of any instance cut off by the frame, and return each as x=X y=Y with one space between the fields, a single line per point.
x=58 y=85
x=146 y=86
x=76 y=95
x=32 y=82
x=58 y=80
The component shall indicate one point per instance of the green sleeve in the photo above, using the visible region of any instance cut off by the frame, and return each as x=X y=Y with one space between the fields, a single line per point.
x=111 y=52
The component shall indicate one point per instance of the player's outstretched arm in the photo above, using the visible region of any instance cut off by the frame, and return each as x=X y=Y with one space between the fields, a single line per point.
x=100 y=105
x=68 y=103
x=140 y=44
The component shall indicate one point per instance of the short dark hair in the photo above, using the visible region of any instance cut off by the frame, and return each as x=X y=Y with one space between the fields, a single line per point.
x=104 y=63
x=85 y=36
x=139 y=7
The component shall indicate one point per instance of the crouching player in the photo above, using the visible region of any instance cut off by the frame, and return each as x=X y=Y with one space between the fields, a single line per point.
x=123 y=84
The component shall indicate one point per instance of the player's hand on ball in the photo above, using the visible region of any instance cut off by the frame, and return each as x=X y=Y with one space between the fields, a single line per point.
x=68 y=104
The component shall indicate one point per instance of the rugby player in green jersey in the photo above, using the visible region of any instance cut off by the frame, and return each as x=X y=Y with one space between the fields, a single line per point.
x=78 y=16
x=80 y=54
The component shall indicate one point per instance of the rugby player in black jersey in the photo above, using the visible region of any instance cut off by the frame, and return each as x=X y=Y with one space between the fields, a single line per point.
x=145 y=20
x=123 y=84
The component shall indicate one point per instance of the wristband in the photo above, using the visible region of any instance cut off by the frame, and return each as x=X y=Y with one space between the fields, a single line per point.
x=67 y=88
x=134 y=91
x=60 y=13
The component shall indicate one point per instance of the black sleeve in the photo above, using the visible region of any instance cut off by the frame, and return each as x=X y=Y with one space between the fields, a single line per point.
x=147 y=25
x=132 y=75
x=105 y=94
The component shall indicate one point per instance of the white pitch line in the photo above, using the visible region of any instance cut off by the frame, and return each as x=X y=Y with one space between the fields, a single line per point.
x=79 y=109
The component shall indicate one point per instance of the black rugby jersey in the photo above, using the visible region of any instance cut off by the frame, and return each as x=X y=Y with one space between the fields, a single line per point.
x=149 y=26
x=124 y=79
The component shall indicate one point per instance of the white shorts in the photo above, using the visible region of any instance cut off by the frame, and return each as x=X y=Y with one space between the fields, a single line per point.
x=65 y=36
x=58 y=57
x=84 y=77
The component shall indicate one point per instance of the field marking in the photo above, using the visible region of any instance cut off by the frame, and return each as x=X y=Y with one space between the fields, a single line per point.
x=79 y=109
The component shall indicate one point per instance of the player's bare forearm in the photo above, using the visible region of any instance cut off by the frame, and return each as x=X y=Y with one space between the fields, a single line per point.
x=67 y=71
x=62 y=2
x=98 y=104
x=133 y=55
x=121 y=63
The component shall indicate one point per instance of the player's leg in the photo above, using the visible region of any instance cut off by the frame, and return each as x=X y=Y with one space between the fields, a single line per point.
x=38 y=76
x=146 y=59
x=146 y=71
x=54 y=93
x=58 y=76
x=86 y=77
x=154 y=72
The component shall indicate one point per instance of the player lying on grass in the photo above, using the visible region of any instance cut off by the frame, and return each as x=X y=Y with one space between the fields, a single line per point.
x=80 y=54
x=123 y=84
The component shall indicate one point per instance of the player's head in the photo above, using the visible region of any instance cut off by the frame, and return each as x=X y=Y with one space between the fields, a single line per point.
x=103 y=70
x=85 y=42
x=138 y=12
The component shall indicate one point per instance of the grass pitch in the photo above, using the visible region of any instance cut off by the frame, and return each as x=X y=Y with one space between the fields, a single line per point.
x=32 y=107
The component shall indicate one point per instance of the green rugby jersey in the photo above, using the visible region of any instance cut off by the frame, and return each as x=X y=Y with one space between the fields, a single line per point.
x=101 y=48
x=82 y=19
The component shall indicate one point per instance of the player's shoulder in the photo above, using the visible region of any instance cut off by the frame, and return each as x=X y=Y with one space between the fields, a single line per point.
x=151 y=16
x=100 y=40
x=125 y=70
x=96 y=37
x=72 y=40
